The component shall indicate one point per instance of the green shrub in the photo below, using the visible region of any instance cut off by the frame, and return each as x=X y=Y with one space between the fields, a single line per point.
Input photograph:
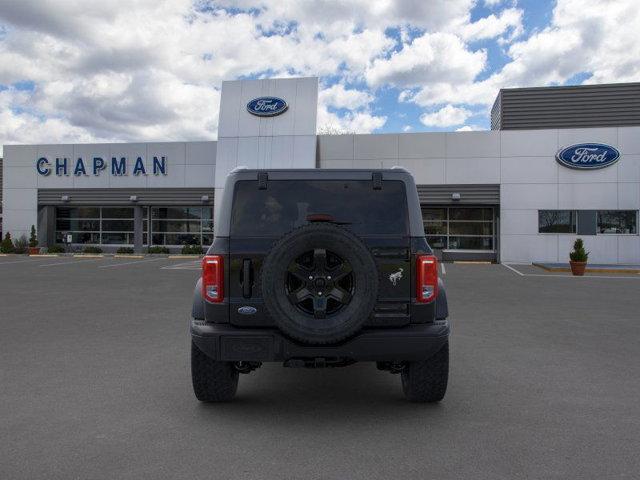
x=7 y=244
x=125 y=250
x=21 y=244
x=92 y=249
x=158 y=249
x=191 y=250
x=579 y=254
x=55 y=249
x=33 y=238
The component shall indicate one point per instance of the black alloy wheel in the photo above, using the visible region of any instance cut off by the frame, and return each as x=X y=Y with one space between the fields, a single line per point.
x=320 y=283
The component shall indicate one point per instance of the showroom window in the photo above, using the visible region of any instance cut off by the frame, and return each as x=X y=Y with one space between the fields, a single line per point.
x=182 y=225
x=557 y=221
x=95 y=225
x=459 y=228
x=618 y=222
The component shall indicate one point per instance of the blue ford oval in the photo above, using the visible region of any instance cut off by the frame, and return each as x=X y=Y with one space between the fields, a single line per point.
x=588 y=156
x=267 y=106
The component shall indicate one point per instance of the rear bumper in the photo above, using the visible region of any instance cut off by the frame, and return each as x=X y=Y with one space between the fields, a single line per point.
x=410 y=343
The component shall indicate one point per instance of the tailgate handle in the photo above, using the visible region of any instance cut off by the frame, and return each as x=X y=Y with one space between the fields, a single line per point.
x=246 y=278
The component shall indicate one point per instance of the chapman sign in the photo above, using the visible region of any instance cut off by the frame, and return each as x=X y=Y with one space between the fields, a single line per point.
x=267 y=106
x=588 y=156
x=96 y=165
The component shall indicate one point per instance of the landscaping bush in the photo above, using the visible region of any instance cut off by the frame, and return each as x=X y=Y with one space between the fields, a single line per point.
x=21 y=245
x=55 y=249
x=579 y=254
x=7 y=244
x=158 y=249
x=191 y=250
x=125 y=251
x=91 y=249
x=33 y=238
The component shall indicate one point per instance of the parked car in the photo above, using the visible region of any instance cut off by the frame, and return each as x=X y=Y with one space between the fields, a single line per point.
x=320 y=268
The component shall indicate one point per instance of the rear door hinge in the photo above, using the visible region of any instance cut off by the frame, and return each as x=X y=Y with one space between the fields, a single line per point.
x=376 y=177
x=262 y=180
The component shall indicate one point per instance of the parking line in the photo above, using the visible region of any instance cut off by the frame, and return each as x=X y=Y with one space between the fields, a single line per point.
x=444 y=270
x=620 y=277
x=513 y=270
x=70 y=263
x=130 y=263
x=18 y=261
x=183 y=266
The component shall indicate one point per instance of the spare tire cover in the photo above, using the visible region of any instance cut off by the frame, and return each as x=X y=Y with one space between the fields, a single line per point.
x=319 y=283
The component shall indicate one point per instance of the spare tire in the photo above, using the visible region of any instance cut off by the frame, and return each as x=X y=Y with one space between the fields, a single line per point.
x=319 y=283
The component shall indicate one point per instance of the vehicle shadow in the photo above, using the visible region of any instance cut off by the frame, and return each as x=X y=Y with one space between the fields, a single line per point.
x=323 y=396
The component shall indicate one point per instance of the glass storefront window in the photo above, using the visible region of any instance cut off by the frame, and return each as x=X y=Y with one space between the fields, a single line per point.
x=459 y=228
x=556 y=221
x=95 y=225
x=471 y=243
x=115 y=225
x=461 y=213
x=437 y=242
x=618 y=221
x=471 y=228
x=181 y=225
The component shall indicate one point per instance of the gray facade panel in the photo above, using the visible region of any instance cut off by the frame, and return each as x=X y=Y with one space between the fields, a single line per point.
x=567 y=107
x=469 y=194
x=122 y=196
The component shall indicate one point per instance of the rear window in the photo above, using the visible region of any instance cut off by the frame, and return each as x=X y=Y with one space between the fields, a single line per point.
x=288 y=204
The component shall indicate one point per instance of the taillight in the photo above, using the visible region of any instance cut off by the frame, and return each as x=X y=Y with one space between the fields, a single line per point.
x=213 y=278
x=426 y=278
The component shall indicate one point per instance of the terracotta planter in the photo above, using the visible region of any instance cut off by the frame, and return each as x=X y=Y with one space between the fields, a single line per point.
x=578 y=268
x=34 y=250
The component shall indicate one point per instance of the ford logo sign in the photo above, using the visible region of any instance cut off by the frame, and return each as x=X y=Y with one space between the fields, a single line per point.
x=588 y=156
x=247 y=310
x=267 y=106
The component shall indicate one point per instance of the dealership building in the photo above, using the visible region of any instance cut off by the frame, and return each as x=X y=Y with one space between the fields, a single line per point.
x=559 y=163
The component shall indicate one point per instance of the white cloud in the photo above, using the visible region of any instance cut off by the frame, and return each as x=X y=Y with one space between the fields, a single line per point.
x=469 y=128
x=447 y=116
x=432 y=57
x=151 y=69
x=509 y=20
x=338 y=96
x=492 y=3
x=351 y=122
x=407 y=128
x=583 y=37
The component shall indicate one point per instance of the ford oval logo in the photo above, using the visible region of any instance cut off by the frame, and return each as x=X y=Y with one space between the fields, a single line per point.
x=247 y=310
x=588 y=156
x=267 y=106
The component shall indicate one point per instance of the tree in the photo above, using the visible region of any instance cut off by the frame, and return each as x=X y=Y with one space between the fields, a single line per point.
x=7 y=244
x=33 y=238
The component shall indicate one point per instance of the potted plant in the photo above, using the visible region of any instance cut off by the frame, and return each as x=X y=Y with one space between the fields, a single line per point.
x=33 y=242
x=578 y=258
x=21 y=245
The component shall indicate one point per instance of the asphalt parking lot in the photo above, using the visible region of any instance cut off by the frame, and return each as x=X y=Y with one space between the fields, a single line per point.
x=95 y=383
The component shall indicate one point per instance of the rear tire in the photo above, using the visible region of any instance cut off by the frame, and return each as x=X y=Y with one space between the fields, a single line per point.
x=213 y=381
x=425 y=381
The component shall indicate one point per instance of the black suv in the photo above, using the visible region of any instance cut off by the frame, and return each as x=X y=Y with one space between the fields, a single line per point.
x=319 y=268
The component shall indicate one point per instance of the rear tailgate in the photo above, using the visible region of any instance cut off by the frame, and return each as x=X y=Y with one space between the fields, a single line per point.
x=262 y=214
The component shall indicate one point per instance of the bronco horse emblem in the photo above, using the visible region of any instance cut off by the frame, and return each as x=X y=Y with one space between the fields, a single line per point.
x=394 y=277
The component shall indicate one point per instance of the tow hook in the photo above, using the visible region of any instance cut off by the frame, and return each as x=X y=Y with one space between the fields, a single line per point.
x=247 y=367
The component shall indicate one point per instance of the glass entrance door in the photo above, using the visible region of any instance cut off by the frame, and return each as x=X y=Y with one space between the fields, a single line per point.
x=460 y=228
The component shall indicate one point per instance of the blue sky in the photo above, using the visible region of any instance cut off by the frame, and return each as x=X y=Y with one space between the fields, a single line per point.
x=77 y=71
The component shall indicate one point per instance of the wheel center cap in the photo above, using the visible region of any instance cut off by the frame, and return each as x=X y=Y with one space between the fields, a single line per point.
x=319 y=283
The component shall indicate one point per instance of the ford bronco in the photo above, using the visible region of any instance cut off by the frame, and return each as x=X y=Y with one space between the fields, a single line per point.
x=319 y=268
